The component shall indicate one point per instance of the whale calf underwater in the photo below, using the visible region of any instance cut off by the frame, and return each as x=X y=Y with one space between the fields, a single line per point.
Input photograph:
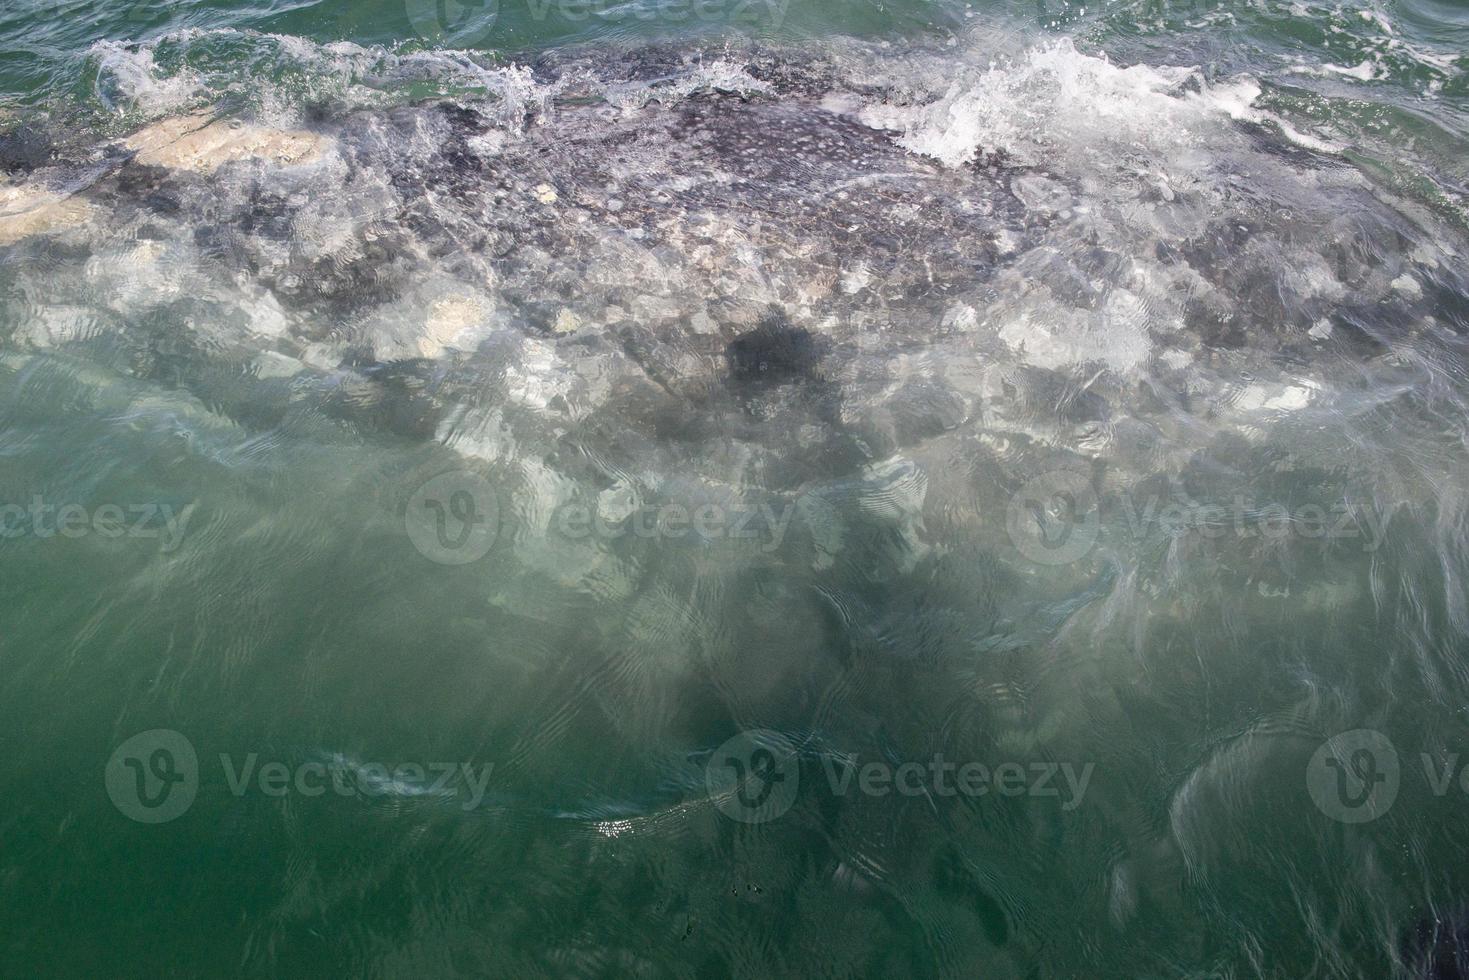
x=1053 y=397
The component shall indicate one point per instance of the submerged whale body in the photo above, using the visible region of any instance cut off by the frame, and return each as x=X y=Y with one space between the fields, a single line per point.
x=648 y=219
x=797 y=278
x=784 y=275
x=772 y=183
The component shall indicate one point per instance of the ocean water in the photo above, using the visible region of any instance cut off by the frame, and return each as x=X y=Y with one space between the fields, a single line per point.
x=708 y=488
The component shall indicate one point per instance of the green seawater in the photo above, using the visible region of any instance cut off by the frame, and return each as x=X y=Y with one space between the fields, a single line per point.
x=708 y=488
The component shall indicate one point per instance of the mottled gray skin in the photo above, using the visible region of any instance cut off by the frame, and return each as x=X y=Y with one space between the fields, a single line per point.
x=746 y=206
x=811 y=193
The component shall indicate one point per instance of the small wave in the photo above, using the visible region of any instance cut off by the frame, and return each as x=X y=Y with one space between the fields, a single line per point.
x=1055 y=100
x=280 y=74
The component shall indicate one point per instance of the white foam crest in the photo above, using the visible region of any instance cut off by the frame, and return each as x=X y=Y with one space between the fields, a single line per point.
x=1053 y=100
x=360 y=74
x=134 y=72
x=719 y=75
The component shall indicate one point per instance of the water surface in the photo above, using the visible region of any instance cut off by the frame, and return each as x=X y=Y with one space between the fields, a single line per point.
x=811 y=489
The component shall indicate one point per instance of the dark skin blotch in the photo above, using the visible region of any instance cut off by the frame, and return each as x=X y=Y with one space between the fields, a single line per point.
x=775 y=352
